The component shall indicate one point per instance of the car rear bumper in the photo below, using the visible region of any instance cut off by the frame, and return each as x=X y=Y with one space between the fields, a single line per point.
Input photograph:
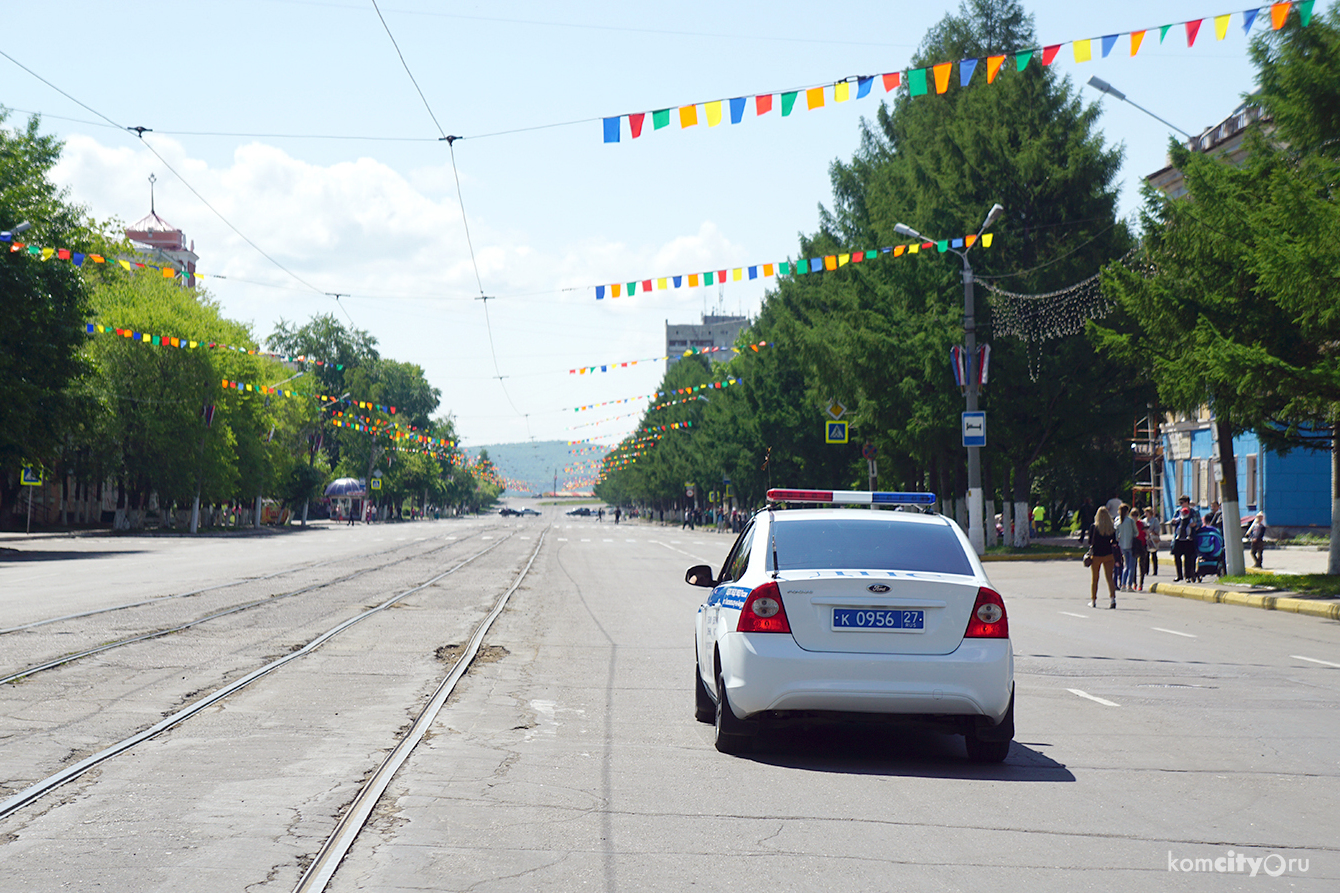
x=766 y=672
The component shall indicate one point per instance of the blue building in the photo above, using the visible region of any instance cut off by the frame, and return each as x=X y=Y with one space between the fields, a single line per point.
x=1294 y=490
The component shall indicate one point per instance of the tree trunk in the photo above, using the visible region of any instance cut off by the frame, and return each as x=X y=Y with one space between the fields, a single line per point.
x=1333 y=565
x=1021 y=517
x=989 y=505
x=1006 y=521
x=1228 y=500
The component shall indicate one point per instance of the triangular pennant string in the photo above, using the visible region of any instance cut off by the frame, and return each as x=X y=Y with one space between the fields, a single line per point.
x=942 y=72
x=1192 y=29
x=1049 y=53
x=993 y=64
x=1136 y=38
x=1108 y=43
x=965 y=70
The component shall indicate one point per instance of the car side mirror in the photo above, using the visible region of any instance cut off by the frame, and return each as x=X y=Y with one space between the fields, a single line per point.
x=700 y=575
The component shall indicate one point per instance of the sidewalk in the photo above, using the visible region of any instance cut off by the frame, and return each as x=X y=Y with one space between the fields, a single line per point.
x=1285 y=560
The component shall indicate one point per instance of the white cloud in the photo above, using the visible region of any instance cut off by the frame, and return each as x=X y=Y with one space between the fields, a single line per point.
x=396 y=245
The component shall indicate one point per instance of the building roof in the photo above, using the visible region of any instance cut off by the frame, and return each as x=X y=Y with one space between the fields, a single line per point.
x=152 y=224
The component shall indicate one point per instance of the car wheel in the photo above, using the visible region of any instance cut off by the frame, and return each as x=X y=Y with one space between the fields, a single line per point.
x=732 y=735
x=980 y=751
x=703 y=708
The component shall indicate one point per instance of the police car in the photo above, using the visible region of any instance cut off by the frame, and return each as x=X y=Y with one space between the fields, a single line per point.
x=831 y=613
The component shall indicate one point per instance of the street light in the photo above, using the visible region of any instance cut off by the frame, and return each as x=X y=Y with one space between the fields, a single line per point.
x=976 y=530
x=21 y=228
x=1104 y=87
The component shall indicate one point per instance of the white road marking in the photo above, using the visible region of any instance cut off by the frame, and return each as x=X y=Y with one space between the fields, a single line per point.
x=525 y=537
x=630 y=541
x=607 y=541
x=1084 y=694
x=487 y=536
x=1174 y=632
x=1080 y=616
x=585 y=540
x=562 y=539
x=1313 y=660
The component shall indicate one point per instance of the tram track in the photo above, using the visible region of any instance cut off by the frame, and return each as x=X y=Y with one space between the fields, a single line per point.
x=71 y=657
x=322 y=869
x=243 y=581
x=46 y=786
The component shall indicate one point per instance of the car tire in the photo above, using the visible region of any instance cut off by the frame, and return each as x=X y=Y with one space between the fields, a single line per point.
x=980 y=751
x=732 y=735
x=704 y=709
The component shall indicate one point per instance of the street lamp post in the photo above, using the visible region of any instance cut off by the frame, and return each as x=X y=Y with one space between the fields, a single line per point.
x=976 y=528
x=1104 y=87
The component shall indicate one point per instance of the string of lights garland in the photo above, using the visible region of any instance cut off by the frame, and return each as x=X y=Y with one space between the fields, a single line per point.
x=1035 y=319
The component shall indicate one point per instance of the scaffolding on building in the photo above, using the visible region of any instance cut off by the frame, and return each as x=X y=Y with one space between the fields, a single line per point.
x=1147 y=462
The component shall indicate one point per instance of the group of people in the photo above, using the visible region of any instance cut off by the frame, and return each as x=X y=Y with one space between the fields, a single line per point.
x=1122 y=550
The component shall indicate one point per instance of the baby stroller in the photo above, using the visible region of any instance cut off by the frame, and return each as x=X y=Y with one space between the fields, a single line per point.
x=1210 y=552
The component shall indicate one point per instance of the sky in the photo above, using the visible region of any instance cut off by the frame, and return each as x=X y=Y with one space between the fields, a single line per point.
x=303 y=160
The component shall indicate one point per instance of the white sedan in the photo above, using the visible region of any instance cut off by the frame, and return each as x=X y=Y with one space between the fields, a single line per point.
x=829 y=613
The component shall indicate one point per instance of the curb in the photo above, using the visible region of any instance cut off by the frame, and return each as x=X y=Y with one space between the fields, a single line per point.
x=1032 y=556
x=1324 y=610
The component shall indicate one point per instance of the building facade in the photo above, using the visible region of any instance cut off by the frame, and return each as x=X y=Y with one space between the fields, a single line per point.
x=1294 y=489
x=161 y=242
x=715 y=333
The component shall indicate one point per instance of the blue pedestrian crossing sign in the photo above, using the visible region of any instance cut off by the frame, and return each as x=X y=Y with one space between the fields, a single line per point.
x=835 y=432
x=30 y=477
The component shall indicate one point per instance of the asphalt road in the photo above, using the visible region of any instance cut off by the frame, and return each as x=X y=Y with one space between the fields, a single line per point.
x=1149 y=737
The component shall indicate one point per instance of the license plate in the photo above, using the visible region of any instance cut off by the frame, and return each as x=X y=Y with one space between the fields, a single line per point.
x=877 y=619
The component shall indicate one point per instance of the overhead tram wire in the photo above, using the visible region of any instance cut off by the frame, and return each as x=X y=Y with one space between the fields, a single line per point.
x=140 y=132
x=460 y=199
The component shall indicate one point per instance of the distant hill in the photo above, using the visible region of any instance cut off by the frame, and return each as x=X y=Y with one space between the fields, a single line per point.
x=536 y=462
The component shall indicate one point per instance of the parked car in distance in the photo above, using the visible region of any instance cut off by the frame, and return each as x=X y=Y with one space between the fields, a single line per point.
x=528 y=511
x=507 y=512
x=580 y=512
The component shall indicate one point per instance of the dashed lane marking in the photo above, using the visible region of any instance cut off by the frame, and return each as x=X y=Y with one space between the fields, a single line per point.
x=1080 y=616
x=1174 y=632
x=1313 y=660
x=1084 y=694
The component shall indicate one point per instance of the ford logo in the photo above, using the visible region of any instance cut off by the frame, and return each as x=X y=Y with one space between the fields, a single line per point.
x=878 y=587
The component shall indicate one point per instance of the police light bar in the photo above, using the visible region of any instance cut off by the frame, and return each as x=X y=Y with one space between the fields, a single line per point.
x=851 y=497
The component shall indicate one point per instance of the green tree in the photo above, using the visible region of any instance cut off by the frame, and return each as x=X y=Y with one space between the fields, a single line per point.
x=881 y=333
x=46 y=306
x=1240 y=309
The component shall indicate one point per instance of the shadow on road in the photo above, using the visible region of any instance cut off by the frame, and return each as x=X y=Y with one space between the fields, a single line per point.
x=854 y=749
x=17 y=556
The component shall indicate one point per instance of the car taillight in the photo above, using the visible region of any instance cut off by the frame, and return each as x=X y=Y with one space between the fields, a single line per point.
x=763 y=611
x=988 y=620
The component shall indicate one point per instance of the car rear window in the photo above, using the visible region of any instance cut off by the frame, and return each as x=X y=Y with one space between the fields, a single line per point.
x=835 y=544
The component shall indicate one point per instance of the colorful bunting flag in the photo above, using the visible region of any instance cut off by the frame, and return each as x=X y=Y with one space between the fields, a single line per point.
x=917 y=80
x=782 y=268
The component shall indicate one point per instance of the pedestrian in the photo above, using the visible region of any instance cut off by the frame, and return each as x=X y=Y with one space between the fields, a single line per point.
x=600 y=514
x=1151 y=542
x=618 y=512
x=1039 y=517
x=1256 y=537
x=1126 y=531
x=1216 y=517
x=1141 y=551
x=1184 y=526
x=1085 y=513
x=1102 y=554
x=687 y=516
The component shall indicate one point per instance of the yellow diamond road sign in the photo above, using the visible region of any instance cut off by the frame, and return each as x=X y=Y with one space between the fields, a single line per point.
x=835 y=410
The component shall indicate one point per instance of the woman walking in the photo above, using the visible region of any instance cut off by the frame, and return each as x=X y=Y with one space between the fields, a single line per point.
x=1126 y=531
x=1151 y=542
x=1102 y=546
